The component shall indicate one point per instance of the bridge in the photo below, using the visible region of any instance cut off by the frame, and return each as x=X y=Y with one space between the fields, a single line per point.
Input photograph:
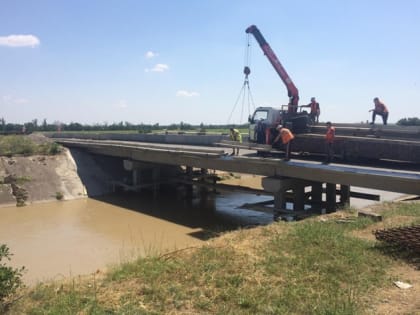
x=307 y=184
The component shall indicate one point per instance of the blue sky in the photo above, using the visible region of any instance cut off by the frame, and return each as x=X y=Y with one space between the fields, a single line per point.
x=171 y=61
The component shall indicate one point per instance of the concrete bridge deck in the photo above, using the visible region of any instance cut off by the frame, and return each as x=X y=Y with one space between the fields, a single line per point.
x=215 y=158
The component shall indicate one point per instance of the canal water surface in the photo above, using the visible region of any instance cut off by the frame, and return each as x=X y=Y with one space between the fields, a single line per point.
x=68 y=238
x=61 y=239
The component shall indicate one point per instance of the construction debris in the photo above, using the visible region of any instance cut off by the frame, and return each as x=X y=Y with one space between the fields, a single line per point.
x=402 y=285
x=406 y=237
x=367 y=213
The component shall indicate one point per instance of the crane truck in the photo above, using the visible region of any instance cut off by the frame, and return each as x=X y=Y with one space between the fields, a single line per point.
x=263 y=122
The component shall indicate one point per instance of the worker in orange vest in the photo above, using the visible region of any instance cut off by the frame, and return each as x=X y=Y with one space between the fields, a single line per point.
x=381 y=110
x=329 y=143
x=315 y=110
x=286 y=138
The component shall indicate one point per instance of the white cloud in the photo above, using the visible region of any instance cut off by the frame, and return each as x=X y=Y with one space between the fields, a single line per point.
x=160 y=67
x=121 y=104
x=150 y=54
x=12 y=100
x=183 y=93
x=19 y=41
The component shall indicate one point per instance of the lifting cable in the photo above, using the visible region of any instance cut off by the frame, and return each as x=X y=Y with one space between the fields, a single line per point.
x=245 y=92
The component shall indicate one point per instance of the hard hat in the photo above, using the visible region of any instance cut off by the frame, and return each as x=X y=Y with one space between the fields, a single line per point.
x=279 y=127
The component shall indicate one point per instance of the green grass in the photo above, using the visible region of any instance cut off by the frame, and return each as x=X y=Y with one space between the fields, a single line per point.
x=401 y=209
x=307 y=267
x=12 y=145
x=22 y=145
x=72 y=301
x=320 y=262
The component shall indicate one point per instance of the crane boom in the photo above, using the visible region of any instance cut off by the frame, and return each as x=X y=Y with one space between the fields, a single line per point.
x=292 y=91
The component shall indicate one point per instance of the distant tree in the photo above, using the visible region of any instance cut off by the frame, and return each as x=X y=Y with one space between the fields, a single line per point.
x=35 y=124
x=73 y=126
x=44 y=125
x=142 y=128
x=185 y=126
x=413 y=121
x=12 y=127
x=172 y=127
x=32 y=126
x=202 y=128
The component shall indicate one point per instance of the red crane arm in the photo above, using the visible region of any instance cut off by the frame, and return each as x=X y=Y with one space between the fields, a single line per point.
x=292 y=91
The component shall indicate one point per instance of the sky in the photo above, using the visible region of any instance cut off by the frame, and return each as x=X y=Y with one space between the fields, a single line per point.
x=106 y=61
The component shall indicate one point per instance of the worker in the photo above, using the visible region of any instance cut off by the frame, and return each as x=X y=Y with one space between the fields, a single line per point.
x=259 y=131
x=329 y=143
x=315 y=110
x=286 y=137
x=380 y=109
x=235 y=135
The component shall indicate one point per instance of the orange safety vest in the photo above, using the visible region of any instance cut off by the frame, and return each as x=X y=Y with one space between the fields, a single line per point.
x=329 y=136
x=286 y=135
x=314 y=107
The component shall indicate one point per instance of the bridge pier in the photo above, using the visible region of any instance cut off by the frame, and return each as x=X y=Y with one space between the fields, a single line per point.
x=307 y=196
x=189 y=186
x=284 y=187
x=344 y=195
x=331 y=198
x=147 y=175
x=316 y=196
x=155 y=180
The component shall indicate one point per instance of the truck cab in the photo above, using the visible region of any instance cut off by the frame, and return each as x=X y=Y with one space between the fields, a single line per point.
x=264 y=120
x=263 y=123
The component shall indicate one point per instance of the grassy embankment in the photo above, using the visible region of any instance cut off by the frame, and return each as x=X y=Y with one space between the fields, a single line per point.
x=307 y=267
x=22 y=145
x=13 y=145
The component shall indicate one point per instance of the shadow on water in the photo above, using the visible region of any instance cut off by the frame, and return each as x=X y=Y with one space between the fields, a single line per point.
x=213 y=213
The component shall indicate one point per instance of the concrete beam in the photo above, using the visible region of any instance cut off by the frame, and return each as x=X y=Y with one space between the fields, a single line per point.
x=396 y=181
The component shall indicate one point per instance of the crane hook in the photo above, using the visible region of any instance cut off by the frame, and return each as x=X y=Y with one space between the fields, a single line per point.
x=247 y=71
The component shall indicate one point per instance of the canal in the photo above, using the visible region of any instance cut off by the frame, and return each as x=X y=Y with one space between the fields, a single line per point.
x=61 y=239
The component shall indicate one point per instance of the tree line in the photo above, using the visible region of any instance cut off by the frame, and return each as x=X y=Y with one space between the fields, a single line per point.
x=35 y=125
x=413 y=121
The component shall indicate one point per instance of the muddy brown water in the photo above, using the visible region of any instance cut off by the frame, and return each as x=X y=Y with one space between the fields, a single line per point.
x=61 y=239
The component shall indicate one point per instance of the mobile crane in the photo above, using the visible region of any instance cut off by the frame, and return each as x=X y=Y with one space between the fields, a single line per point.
x=298 y=121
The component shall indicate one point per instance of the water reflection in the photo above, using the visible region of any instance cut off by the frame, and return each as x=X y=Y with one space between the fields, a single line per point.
x=58 y=239
x=205 y=211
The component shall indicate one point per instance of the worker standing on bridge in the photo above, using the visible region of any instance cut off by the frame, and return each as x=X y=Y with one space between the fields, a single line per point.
x=315 y=110
x=235 y=135
x=286 y=137
x=329 y=143
x=380 y=109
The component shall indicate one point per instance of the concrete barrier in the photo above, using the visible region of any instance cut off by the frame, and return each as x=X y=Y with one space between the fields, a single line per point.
x=185 y=139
